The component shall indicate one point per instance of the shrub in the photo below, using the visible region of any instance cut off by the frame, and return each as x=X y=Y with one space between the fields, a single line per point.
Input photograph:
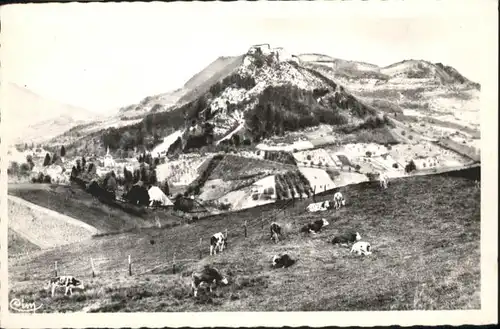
x=395 y=165
x=308 y=157
x=403 y=132
x=368 y=153
x=410 y=137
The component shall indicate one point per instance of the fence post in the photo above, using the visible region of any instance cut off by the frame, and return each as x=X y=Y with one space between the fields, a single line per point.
x=314 y=194
x=199 y=248
x=129 y=266
x=226 y=234
x=173 y=264
x=55 y=267
x=93 y=268
x=245 y=226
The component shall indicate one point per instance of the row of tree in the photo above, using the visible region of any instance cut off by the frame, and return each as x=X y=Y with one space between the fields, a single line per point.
x=55 y=157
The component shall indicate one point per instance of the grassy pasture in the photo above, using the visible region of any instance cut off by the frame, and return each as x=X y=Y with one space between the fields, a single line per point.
x=77 y=203
x=425 y=232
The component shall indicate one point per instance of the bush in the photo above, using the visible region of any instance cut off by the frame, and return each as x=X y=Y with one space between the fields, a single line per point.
x=368 y=153
x=410 y=137
x=403 y=132
x=395 y=165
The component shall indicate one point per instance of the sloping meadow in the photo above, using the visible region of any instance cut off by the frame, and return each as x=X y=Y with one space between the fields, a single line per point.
x=425 y=234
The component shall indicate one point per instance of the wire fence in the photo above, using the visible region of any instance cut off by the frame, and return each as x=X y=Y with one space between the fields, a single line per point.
x=98 y=266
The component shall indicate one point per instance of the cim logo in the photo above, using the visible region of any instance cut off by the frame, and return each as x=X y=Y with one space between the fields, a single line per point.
x=22 y=306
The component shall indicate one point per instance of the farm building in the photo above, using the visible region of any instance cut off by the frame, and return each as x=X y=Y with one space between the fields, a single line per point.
x=157 y=196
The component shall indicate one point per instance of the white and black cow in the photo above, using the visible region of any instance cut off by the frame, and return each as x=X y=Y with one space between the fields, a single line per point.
x=314 y=227
x=280 y=261
x=217 y=243
x=208 y=276
x=275 y=231
x=362 y=248
x=344 y=239
x=338 y=200
x=318 y=206
x=384 y=180
x=67 y=281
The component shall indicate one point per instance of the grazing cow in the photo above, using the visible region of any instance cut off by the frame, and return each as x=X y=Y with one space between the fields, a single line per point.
x=209 y=276
x=384 y=179
x=66 y=281
x=280 y=261
x=315 y=227
x=275 y=231
x=338 y=200
x=345 y=239
x=318 y=206
x=362 y=248
x=217 y=243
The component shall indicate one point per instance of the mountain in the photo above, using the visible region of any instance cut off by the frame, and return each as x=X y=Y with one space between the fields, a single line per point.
x=33 y=118
x=269 y=125
x=413 y=87
x=193 y=88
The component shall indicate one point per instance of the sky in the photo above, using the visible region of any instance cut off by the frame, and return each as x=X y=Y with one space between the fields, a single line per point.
x=101 y=56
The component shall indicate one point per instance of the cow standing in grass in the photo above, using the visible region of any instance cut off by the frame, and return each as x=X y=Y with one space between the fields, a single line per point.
x=275 y=231
x=217 y=243
x=314 y=227
x=383 y=179
x=208 y=276
x=338 y=200
x=282 y=261
x=66 y=281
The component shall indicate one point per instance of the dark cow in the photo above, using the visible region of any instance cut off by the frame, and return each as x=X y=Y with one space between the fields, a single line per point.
x=347 y=238
x=217 y=243
x=209 y=276
x=314 y=227
x=67 y=281
x=275 y=231
x=280 y=261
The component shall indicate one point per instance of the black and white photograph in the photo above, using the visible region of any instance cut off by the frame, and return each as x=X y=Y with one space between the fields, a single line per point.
x=224 y=157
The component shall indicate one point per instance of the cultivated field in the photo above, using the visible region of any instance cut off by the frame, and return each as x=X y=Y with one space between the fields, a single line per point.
x=425 y=232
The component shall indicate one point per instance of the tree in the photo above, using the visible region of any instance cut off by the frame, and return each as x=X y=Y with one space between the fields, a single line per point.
x=54 y=158
x=166 y=188
x=111 y=184
x=84 y=162
x=46 y=161
x=63 y=151
x=78 y=166
x=29 y=159
x=129 y=177
x=74 y=172
x=410 y=167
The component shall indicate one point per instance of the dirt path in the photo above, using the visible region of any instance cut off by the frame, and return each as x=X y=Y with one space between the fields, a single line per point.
x=44 y=227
